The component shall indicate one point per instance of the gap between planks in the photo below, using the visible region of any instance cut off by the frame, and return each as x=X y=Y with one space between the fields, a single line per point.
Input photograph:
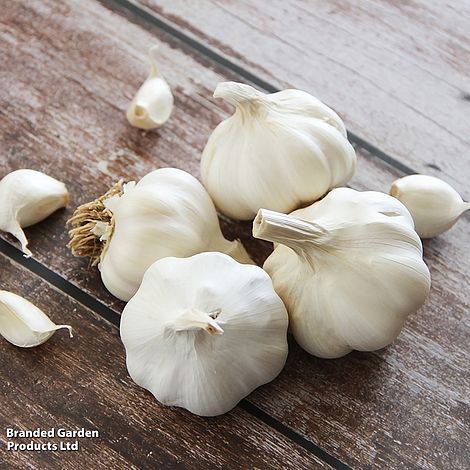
x=146 y=16
x=111 y=316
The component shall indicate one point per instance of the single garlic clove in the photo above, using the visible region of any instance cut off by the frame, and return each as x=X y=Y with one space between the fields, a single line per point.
x=153 y=102
x=23 y=324
x=434 y=205
x=26 y=198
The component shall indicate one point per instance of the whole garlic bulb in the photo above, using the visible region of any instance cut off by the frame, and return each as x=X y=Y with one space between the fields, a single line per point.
x=277 y=151
x=23 y=324
x=203 y=332
x=434 y=204
x=152 y=105
x=349 y=269
x=26 y=198
x=167 y=213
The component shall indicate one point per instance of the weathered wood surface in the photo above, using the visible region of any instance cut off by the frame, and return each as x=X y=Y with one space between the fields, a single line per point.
x=405 y=406
x=82 y=383
x=397 y=72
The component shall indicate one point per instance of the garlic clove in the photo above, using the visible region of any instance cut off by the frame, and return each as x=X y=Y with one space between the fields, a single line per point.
x=26 y=198
x=434 y=205
x=153 y=103
x=203 y=332
x=23 y=324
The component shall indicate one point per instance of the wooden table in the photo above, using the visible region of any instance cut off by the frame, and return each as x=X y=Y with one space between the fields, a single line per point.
x=397 y=72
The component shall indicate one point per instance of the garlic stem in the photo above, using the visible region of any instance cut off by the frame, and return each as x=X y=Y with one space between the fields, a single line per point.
x=287 y=230
x=193 y=319
x=236 y=93
x=245 y=98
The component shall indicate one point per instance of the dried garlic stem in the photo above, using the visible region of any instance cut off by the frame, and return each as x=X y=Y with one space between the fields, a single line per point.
x=83 y=241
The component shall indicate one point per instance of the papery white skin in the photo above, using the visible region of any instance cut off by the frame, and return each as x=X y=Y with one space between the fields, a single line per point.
x=23 y=324
x=203 y=332
x=277 y=151
x=152 y=105
x=167 y=213
x=353 y=273
x=26 y=198
x=434 y=204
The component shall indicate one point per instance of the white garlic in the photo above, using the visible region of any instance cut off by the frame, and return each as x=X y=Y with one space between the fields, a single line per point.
x=167 y=213
x=349 y=269
x=277 y=151
x=203 y=332
x=26 y=198
x=23 y=324
x=152 y=104
x=434 y=205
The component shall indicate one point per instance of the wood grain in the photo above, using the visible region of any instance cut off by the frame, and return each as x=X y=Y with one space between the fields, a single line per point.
x=406 y=406
x=82 y=382
x=397 y=72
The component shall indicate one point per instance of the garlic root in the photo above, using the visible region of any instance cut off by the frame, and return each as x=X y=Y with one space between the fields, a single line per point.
x=85 y=241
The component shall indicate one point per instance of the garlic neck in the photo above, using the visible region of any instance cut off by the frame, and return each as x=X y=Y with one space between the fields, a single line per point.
x=299 y=235
x=244 y=97
x=194 y=320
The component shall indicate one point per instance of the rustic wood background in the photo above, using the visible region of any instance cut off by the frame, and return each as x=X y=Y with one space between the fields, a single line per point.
x=397 y=72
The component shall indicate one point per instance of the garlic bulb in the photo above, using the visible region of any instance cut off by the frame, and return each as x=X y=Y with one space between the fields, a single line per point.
x=153 y=102
x=349 y=269
x=167 y=213
x=23 y=324
x=434 y=205
x=26 y=198
x=203 y=332
x=278 y=151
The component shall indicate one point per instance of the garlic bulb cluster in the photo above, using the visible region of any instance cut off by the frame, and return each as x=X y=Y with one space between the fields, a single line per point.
x=23 y=324
x=278 y=151
x=167 y=213
x=26 y=198
x=434 y=205
x=203 y=332
x=152 y=105
x=349 y=269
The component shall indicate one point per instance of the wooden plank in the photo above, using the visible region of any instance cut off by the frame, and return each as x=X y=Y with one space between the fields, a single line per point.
x=355 y=407
x=82 y=383
x=398 y=73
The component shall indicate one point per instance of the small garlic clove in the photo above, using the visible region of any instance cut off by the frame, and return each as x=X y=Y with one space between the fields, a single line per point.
x=434 y=205
x=26 y=198
x=23 y=324
x=153 y=103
